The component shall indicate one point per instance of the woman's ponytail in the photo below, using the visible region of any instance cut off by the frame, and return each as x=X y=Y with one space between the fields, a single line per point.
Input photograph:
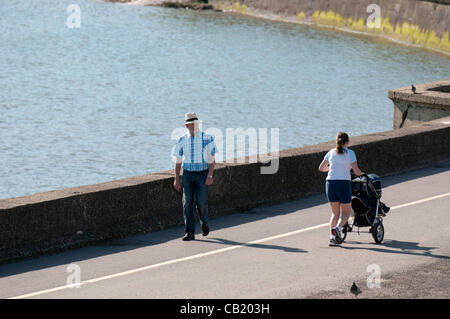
x=341 y=139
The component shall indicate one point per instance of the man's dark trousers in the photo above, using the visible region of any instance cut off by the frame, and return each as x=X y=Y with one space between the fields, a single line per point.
x=194 y=187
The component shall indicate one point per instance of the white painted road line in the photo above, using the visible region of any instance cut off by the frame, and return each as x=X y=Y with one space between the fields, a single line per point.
x=421 y=201
x=218 y=251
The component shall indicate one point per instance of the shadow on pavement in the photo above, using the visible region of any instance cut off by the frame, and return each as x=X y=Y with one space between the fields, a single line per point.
x=399 y=247
x=263 y=246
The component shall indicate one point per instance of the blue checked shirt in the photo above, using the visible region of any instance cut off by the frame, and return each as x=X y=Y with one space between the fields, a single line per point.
x=195 y=151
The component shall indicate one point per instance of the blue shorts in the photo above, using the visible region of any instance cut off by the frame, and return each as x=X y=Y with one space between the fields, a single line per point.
x=339 y=191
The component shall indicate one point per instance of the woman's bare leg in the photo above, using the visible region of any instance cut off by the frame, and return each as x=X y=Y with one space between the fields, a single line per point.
x=346 y=211
x=336 y=212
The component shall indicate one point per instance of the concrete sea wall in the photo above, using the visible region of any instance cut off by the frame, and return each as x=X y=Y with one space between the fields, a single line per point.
x=421 y=23
x=74 y=217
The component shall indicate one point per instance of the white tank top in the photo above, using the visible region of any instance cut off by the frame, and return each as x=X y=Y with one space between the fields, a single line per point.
x=340 y=164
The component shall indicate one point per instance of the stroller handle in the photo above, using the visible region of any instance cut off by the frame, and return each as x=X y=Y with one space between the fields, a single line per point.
x=353 y=175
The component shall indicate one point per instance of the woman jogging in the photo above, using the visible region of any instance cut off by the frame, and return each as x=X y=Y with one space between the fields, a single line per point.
x=337 y=163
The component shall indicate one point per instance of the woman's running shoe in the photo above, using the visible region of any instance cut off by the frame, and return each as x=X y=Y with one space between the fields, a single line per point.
x=337 y=235
x=333 y=242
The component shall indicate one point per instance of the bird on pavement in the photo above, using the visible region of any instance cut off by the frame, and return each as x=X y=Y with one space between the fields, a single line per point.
x=355 y=289
x=413 y=88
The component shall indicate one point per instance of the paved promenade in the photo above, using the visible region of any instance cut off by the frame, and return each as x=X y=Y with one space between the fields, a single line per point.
x=279 y=251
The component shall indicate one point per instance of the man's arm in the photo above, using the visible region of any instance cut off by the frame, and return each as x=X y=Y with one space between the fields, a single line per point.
x=209 y=179
x=177 y=156
x=212 y=150
x=177 y=182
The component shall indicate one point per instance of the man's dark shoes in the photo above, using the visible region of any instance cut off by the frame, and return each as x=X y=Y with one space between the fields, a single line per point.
x=205 y=229
x=189 y=237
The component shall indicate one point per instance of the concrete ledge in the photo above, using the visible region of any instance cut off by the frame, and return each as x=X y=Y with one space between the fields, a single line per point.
x=431 y=94
x=431 y=101
x=74 y=217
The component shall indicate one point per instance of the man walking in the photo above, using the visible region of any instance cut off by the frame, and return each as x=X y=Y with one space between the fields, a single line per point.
x=194 y=151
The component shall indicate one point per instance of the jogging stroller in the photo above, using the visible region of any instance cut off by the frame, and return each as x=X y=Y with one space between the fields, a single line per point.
x=367 y=208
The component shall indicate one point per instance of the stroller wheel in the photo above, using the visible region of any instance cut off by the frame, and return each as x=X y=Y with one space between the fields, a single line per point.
x=345 y=229
x=348 y=228
x=378 y=232
x=344 y=235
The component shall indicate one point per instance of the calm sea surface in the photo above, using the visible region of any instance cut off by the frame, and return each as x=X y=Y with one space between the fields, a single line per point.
x=101 y=102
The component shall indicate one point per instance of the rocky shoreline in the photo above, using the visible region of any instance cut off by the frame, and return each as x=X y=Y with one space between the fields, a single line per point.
x=182 y=4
